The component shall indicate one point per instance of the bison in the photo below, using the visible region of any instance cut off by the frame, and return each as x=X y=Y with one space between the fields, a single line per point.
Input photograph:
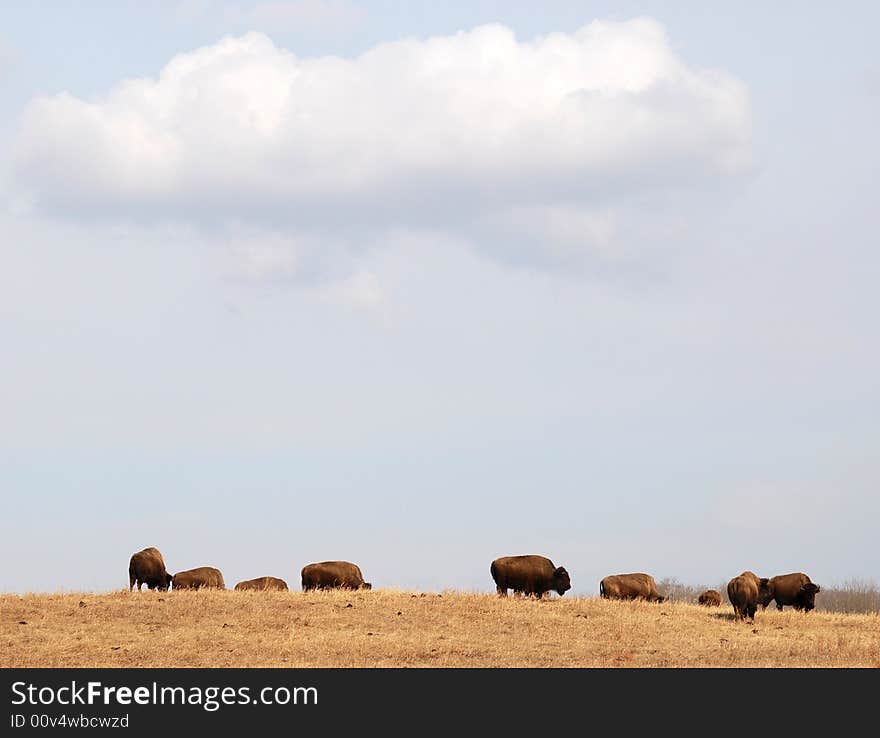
x=529 y=575
x=262 y=584
x=333 y=575
x=630 y=587
x=148 y=567
x=795 y=590
x=203 y=577
x=710 y=598
x=745 y=592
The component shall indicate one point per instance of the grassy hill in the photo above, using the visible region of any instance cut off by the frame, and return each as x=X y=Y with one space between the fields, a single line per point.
x=393 y=628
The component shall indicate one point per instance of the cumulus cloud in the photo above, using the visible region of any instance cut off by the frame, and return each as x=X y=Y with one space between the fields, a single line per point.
x=477 y=133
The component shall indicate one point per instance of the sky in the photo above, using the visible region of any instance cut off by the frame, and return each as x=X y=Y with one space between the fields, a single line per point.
x=418 y=285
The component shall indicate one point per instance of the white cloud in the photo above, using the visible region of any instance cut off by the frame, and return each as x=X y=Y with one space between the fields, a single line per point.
x=361 y=291
x=477 y=134
x=262 y=257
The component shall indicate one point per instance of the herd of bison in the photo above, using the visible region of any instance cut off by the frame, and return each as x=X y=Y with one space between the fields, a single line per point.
x=526 y=575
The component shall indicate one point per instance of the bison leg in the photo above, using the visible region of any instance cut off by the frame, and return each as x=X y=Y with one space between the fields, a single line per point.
x=779 y=606
x=502 y=591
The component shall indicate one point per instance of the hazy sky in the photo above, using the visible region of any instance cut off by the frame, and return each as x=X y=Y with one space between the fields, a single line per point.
x=422 y=284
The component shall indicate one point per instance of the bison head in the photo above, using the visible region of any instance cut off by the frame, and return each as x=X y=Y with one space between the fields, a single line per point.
x=807 y=596
x=561 y=580
x=765 y=592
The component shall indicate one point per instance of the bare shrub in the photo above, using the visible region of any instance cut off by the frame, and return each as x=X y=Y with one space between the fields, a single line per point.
x=853 y=595
x=677 y=591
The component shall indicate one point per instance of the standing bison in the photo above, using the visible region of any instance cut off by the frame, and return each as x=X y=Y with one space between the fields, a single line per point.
x=148 y=567
x=333 y=575
x=261 y=584
x=636 y=586
x=710 y=598
x=203 y=577
x=529 y=575
x=745 y=592
x=795 y=590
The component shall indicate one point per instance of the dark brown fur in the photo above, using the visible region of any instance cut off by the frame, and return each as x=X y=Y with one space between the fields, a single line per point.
x=710 y=598
x=529 y=575
x=635 y=586
x=745 y=592
x=199 y=578
x=148 y=567
x=262 y=584
x=795 y=590
x=333 y=575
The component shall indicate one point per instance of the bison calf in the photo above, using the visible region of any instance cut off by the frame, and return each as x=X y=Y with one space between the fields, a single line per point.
x=148 y=567
x=637 y=586
x=529 y=575
x=203 y=577
x=333 y=575
x=710 y=598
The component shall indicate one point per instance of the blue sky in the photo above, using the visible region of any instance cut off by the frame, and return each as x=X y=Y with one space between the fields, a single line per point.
x=418 y=285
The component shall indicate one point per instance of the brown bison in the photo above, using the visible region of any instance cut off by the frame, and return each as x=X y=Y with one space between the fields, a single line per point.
x=333 y=575
x=745 y=592
x=795 y=590
x=529 y=575
x=203 y=577
x=630 y=587
x=710 y=598
x=262 y=584
x=148 y=567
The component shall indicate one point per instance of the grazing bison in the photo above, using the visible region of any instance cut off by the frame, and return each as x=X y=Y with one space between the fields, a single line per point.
x=710 y=598
x=148 y=567
x=795 y=590
x=529 y=575
x=262 y=584
x=630 y=587
x=745 y=592
x=333 y=575
x=203 y=577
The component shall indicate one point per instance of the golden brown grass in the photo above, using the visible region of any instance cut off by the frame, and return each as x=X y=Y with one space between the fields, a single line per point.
x=391 y=628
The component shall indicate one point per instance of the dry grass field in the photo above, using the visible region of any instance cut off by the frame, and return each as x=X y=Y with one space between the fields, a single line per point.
x=386 y=628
